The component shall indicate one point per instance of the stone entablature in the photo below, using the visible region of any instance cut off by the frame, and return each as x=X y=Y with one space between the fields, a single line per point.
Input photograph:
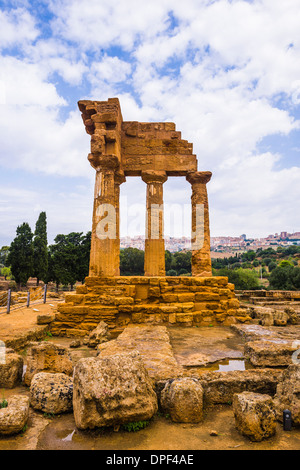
x=118 y=301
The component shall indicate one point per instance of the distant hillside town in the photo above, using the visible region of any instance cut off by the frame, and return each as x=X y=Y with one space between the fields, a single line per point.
x=220 y=244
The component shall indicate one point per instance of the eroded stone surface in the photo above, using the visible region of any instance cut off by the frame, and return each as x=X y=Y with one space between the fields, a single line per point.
x=288 y=394
x=47 y=357
x=112 y=390
x=51 y=393
x=255 y=415
x=153 y=344
x=99 y=335
x=14 y=417
x=270 y=353
x=182 y=399
x=220 y=387
x=11 y=368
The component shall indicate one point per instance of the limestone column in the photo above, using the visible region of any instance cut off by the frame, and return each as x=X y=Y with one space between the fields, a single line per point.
x=154 y=263
x=201 y=260
x=119 y=179
x=104 y=257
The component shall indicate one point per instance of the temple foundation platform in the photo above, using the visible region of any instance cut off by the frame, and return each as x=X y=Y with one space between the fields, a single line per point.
x=122 y=300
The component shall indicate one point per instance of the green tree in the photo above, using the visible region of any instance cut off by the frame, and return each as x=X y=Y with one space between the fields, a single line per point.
x=3 y=255
x=272 y=266
x=66 y=264
x=20 y=257
x=40 y=249
x=183 y=261
x=131 y=262
x=285 y=263
x=285 y=277
x=243 y=279
x=6 y=272
x=168 y=259
x=84 y=249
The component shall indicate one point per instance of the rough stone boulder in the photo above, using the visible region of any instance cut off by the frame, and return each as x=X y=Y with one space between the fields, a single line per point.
x=220 y=387
x=111 y=391
x=51 y=393
x=45 y=319
x=14 y=417
x=288 y=394
x=11 y=368
x=47 y=357
x=183 y=399
x=254 y=415
x=270 y=353
x=99 y=335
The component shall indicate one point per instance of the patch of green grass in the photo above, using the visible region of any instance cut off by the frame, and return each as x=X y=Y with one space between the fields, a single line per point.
x=49 y=415
x=4 y=403
x=135 y=426
x=24 y=430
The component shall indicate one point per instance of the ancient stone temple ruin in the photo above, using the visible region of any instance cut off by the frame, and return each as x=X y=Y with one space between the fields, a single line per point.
x=151 y=151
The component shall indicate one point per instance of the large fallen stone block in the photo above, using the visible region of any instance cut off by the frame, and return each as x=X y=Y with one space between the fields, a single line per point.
x=182 y=399
x=11 y=368
x=270 y=353
x=288 y=394
x=47 y=357
x=220 y=387
x=254 y=415
x=14 y=417
x=51 y=393
x=111 y=391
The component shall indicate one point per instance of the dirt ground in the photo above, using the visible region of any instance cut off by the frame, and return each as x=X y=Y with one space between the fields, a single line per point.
x=21 y=322
x=60 y=433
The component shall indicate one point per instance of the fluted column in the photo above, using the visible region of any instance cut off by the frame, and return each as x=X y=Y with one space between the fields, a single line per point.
x=201 y=260
x=154 y=263
x=104 y=257
x=119 y=179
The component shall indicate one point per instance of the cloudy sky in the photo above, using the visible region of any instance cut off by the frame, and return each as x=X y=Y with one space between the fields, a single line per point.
x=227 y=72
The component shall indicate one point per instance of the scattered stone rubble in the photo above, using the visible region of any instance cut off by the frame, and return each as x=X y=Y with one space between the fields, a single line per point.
x=137 y=372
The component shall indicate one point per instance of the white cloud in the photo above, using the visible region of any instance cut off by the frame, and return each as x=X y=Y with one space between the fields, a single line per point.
x=110 y=69
x=226 y=72
x=17 y=27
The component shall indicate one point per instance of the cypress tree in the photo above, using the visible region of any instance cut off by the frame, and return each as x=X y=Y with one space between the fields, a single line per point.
x=40 y=250
x=20 y=257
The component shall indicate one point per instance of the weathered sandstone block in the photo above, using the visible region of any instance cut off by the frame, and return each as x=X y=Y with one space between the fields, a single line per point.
x=112 y=390
x=270 y=353
x=220 y=387
x=255 y=415
x=288 y=394
x=14 y=417
x=51 y=393
x=47 y=357
x=11 y=370
x=45 y=319
x=183 y=399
